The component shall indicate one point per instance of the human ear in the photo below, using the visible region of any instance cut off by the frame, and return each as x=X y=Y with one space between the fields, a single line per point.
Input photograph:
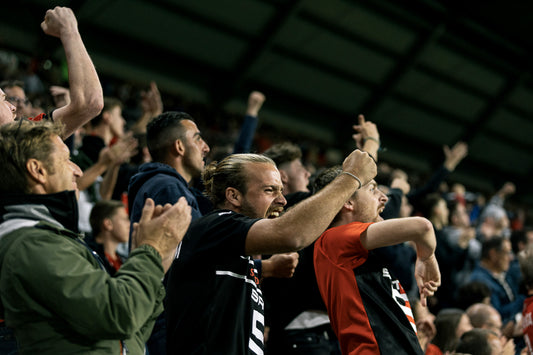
x=349 y=205
x=179 y=147
x=107 y=224
x=36 y=171
x=233 y=196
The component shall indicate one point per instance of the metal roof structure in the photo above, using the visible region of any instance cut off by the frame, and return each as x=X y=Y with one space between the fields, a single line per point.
x=429 y=73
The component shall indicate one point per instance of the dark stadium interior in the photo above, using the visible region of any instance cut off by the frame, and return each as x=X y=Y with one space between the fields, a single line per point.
x=429 y=73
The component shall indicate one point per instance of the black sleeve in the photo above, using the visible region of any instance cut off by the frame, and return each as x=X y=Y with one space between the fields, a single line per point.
x=218 y=235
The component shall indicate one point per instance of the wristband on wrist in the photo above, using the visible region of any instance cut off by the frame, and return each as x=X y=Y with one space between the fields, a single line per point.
x=355 y=177
x=372 y=139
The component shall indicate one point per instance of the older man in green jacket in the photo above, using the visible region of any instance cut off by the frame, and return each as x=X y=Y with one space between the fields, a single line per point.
x=54 y=291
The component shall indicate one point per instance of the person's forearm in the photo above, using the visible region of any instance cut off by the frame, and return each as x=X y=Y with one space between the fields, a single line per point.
x=425 y=245
x=91 y=174
x=371 y=146
x=316 y=213
x=302 y=224
x=246 y=135
x=108 y=183
x=393 y=231
x=85 y=89
x=425 y=240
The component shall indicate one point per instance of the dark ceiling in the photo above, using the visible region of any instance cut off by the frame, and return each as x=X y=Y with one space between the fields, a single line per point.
x=428 y=73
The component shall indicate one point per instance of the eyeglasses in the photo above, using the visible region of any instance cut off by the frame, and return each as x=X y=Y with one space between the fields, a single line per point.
x=17 y=100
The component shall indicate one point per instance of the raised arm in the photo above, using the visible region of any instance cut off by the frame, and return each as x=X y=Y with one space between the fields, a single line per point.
x=418 y=230
x=152 y=105
x=85 y=90
x=249 y=125
x=367 y=137
x=454 y=155
x=304 y=223
x=108 y=157
x=122 y=151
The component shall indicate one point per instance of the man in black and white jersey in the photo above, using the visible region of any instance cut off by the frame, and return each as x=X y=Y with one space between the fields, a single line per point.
x=214 y=304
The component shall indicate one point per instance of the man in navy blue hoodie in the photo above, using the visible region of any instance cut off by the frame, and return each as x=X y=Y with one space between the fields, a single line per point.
x=178 y=153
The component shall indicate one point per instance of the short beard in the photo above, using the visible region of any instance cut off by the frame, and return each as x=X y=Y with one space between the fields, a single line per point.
x=249 y=210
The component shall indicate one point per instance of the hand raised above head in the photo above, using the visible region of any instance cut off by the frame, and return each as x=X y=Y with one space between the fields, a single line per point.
x=360 y=164
x=454 y=155
x=402 y=184
x=255 y=102
x=59 y=21
x=365 y=130
x=151 y=101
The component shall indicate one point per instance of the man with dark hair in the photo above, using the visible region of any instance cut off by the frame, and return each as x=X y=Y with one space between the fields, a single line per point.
x=368 y=308
x=178 y=152
x=214 y=304
x=492 y=270
x=55 y=294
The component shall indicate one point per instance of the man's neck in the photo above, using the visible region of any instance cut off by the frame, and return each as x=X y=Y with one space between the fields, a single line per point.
x=110 y=246
x=176 y=165
x=487 y=265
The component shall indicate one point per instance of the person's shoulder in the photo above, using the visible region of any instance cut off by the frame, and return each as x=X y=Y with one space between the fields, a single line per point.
x=218 y=220
x=38 y=241
x=346 y=233
x=480 y=274
x=156 y=176
x=348 y=226
x=159 y=173
x=217 y=215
